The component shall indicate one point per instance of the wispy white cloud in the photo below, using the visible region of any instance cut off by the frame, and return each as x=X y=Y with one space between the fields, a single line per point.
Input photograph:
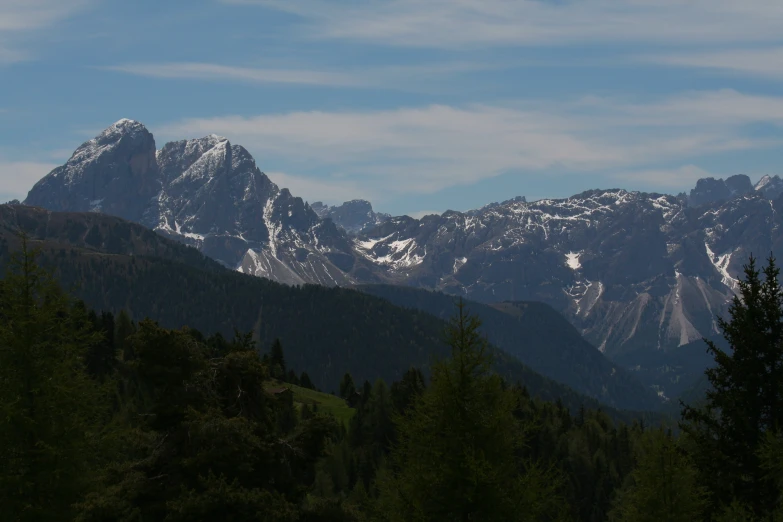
x=21 y=18
x=331 y=191
x=425 y=149
x=210 y=71
x=411 y=77
x=9 y=56
x=480 y=23
x=763 y=62
x=23 y=15
x=16 y=177
x=664 y=179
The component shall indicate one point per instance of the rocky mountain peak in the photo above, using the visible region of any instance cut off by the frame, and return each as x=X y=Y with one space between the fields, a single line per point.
x=115 y=172
x=770 y=186
x=711 y=190
x=205 y=192
x=739 y=184
x=352 y=216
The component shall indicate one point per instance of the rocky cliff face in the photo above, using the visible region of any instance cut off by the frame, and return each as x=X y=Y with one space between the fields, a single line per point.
x=115 y=173
x=711 y=190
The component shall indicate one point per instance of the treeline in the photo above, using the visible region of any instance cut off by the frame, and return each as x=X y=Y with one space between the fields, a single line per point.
x=107 y=419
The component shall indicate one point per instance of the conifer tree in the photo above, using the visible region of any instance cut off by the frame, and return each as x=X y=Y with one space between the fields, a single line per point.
x=408 y=389
x=277 y=360
x=101 y=357
x=663 y=486
x=123 y=330
x=305 y=382
x=456 y=455
x=49 y=406
x=347 y=386
x=745 y=400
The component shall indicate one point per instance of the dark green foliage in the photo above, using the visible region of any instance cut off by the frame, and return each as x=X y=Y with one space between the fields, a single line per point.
x=745 y=398
x=123 y=330
x=101 y=357
x=277 y=360
x=663 y=486
x=455 y=456
x=49 y=407
x=408 y=389
x=203 y=439
x=305 y=382
x=107 y=419
x=292 y=378
x=347 y=387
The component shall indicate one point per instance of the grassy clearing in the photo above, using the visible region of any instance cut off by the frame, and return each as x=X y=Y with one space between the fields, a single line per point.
x=325 y=402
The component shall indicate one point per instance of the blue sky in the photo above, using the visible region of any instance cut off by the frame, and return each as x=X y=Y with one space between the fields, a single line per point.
x=416 y=105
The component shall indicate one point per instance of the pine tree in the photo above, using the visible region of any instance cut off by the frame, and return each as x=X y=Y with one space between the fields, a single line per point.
x=102 y=356
x=277 y=360
x=408 y=389
x=305 y=382
x=456 y=455
x=347 y=387
x=49 y=406
x=663 y=486
x=123 y=330
x=745 y=400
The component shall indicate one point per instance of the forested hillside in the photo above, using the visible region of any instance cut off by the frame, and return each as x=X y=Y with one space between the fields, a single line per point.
x=540 y=337
x=109 y=419
x=113 y=265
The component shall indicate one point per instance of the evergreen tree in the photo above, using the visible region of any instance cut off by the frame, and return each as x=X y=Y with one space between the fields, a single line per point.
x=101 y=357
x=456 y=455
x=123 y=330
x=292 y=378
x=663 y=486
x=277 y=361
x=49 y=406
x=347 y=387
x=745 y=400
x=408 y=389
x=305 y=382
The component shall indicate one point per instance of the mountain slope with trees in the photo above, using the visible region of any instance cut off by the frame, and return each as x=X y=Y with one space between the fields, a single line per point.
x=538 y=336
x=148 y=423
x=325 y=331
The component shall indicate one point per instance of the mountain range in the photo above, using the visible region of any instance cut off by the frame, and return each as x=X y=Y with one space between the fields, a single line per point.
x=636 y=273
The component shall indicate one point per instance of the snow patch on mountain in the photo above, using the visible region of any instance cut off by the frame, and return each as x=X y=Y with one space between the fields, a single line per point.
x=721 y=264
x=572 y=260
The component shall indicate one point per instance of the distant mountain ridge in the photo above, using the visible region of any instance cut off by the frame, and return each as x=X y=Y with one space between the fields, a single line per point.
x=635 y=273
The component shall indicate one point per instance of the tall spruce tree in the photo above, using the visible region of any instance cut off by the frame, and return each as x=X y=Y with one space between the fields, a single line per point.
x=663 y=486
x=124 y=328
x=456 y=456
x=347 y=386
x=277 y=360
x=745 y=400
x=49 y=406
